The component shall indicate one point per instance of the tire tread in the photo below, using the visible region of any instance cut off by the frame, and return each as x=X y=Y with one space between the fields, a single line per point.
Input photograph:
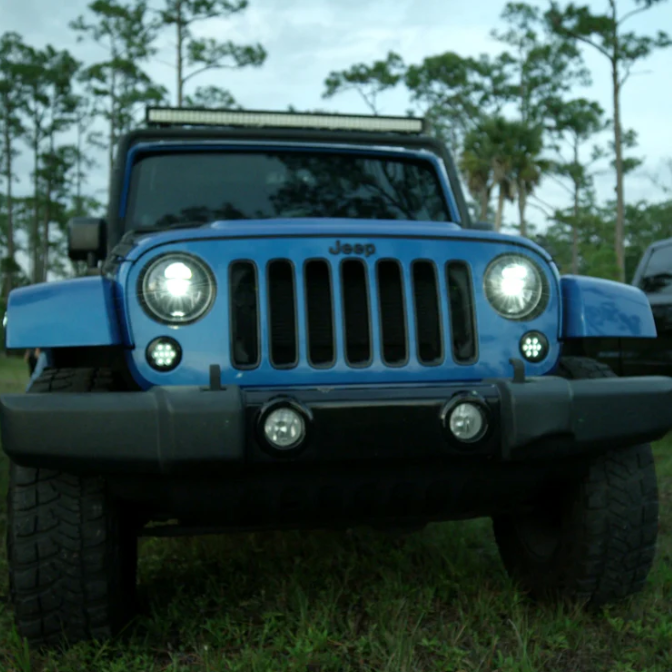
x=611 y=523
x=64 y=542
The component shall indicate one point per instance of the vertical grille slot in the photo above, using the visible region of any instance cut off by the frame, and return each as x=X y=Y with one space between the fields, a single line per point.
x=282 y=313
x=394 y=342
x=319 y=313
x=356 y=313
x=244 y=302
x=462 y=316
x=427 y=313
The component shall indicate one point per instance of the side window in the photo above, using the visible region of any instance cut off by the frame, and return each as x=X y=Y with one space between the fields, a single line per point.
x=657 y=275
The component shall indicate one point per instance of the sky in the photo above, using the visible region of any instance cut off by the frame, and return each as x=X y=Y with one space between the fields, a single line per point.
x=307 y=39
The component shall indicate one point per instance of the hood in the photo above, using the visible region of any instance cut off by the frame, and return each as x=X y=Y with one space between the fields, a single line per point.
x=331 y=228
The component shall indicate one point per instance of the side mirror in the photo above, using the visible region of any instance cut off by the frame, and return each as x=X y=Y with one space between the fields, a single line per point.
x=87 y=240
x=483 y=226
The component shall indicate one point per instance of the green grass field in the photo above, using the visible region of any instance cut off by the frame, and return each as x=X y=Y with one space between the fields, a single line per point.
x=438 y=601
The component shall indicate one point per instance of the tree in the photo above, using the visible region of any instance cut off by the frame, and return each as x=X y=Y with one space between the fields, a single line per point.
x=84 y=118
x=35 y=77
x=455 y=92
x=487 y=162
x=50 y=105
x=628 y=141
x=369 y=81
x=481 y=163
x=623 y=49
x=527 y=165
x=577 y=121
x=56 y=175
x=477 y=164
x=541 y=67
x=506 y=154
x=12 y=53
x=595 y=237
x=118 y=83
x=204 y=54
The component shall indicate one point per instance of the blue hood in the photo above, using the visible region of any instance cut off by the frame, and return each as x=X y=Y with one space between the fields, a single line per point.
x=332 y=228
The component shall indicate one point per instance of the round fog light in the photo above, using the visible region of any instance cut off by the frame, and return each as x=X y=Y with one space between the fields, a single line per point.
x=534 y=346
x=467 y=422
x=284 y=428
x=164 y=354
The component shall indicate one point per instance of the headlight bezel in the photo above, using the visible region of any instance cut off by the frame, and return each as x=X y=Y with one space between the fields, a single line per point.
x=543 y=300
x=190 y=260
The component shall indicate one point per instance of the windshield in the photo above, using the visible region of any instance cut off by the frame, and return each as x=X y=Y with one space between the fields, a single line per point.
x=189 y=188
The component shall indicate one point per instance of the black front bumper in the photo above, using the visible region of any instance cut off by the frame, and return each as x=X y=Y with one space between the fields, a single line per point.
x=184 y=430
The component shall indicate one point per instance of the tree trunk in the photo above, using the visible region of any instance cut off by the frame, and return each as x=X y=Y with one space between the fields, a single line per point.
x=180 y=49
x=35 y=226
x=522 y=204
x=620 y=197
x=44 y=261
x=485 y=202
x=78 y=175
x=44 y=270
x=575 y=231
x=111 y=148
x=113 y=117
x=500 y=208
x=9 y=275
x=575 y=220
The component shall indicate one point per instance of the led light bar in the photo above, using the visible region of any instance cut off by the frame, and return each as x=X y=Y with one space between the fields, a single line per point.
x=173 y=116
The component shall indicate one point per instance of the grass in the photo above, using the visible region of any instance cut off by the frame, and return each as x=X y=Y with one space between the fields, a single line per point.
x=437 y=601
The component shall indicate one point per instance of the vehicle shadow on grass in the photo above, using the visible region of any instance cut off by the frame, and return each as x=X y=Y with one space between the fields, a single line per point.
x=312 y=576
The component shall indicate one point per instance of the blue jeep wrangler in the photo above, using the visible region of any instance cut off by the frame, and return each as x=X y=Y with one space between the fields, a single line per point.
x=290 y=321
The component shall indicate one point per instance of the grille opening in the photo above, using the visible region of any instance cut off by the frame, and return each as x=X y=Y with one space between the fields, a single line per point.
x=427 y=313
x=462 y=315
x=356 y=312
x=244 y=303
x=320 y=313
x=394 y=346
x=282 y=313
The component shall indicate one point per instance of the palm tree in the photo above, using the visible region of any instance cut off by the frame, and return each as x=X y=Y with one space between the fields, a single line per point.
x=487 y=163
x=527 y=165
x=477 y=165
x=506 y=186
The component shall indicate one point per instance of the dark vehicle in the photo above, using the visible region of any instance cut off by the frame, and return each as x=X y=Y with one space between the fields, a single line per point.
x=294 y=323
x=645 y=356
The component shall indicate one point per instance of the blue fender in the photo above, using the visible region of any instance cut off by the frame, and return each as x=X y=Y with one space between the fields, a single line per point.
x=596 y=308
x=68 y=313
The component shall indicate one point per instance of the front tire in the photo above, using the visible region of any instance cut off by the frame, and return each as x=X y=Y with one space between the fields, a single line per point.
x=593 y=540
x=72 y=552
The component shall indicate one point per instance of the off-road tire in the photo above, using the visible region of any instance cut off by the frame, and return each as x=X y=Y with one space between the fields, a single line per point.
x=72 y=552
x=600 y=530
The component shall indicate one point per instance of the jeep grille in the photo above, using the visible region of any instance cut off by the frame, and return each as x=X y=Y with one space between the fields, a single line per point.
x=384 y=298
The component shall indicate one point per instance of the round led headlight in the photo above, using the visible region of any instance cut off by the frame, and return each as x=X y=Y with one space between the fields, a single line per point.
x=516 y=287
x=177 y=289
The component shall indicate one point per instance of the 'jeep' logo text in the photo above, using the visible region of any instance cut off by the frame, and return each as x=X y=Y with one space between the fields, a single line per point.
x=367 y=250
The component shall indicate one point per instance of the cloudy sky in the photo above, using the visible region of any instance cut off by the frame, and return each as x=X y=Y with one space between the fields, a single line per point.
x=306 y=39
